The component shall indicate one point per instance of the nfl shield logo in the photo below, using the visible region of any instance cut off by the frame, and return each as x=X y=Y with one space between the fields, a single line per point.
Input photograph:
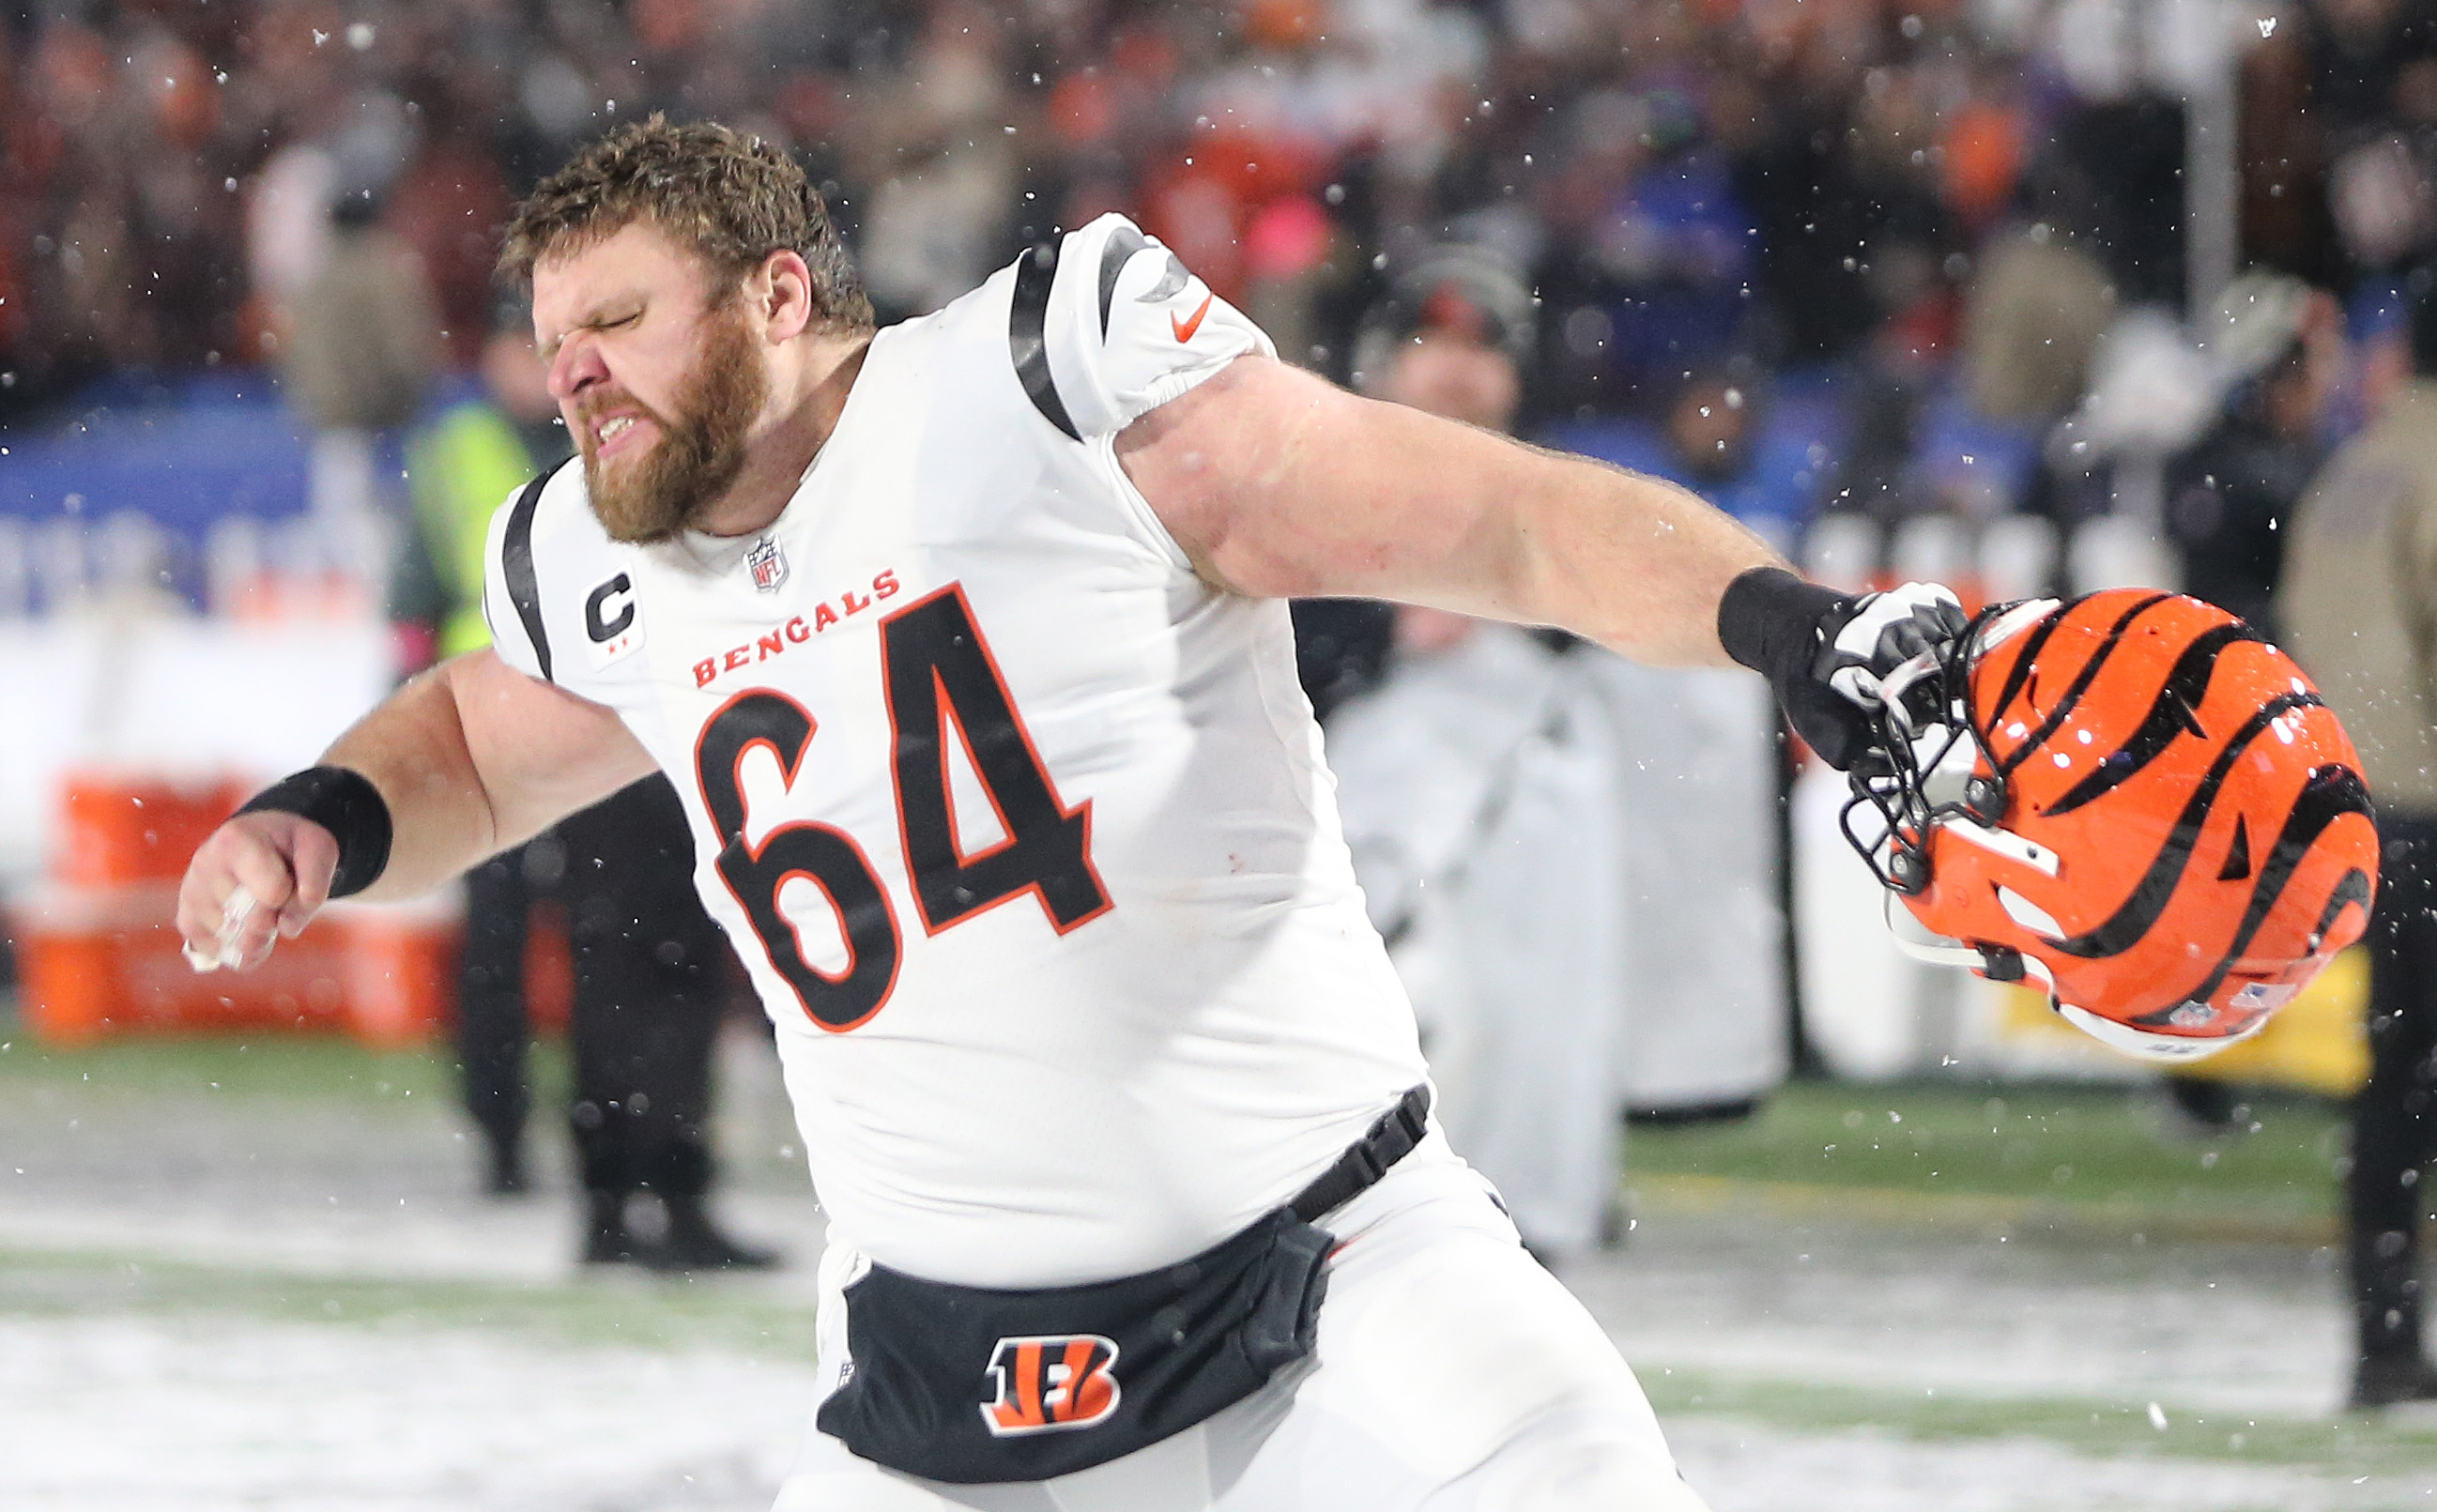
x=769 y=564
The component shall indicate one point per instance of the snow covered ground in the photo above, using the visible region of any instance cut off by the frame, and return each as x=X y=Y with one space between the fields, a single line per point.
x=216 y=1303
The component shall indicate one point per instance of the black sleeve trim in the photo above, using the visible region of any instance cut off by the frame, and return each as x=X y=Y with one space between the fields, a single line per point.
x=1027 y=323
x=1768 y=620
x=517 y=567
x=1114 y=254
x=345 y=803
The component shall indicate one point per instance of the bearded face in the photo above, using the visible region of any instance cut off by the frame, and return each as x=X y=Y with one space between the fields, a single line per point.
x=651 y=496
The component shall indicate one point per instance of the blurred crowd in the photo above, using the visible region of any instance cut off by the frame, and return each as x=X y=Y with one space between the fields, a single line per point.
x=1891 y=256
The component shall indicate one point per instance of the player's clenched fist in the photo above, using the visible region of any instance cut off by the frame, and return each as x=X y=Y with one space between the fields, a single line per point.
x=260 y=876
x=320 y=834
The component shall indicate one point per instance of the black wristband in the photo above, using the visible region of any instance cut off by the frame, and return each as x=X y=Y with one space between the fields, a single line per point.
x=1768 y=620
x=347 y=804
x=1776 y=623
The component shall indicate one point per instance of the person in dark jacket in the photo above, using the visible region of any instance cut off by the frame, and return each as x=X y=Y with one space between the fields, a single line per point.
x=2360 y=601
x=651 y=968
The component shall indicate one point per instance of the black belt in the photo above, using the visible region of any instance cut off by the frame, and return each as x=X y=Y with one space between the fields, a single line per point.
x=1390 y=1140
x=1187 y=1340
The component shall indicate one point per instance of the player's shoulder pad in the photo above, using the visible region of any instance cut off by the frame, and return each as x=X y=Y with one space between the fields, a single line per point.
x=1106 y=324
x=543 y=538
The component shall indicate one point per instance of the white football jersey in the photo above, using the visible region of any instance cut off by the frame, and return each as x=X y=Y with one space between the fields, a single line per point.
x=1020 y=826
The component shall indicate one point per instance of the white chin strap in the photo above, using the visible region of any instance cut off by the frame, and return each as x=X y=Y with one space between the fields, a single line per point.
x=2140 y=1044
x=1940 y=952
x=1937 y=951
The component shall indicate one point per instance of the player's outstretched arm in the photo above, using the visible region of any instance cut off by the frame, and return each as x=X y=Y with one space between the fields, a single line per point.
x=1281 y=484
x=465 y=760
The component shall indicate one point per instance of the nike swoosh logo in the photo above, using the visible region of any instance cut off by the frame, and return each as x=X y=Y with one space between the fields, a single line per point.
x=1185 y=329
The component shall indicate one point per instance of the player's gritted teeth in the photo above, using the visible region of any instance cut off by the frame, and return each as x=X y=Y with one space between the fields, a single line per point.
x=617 y=433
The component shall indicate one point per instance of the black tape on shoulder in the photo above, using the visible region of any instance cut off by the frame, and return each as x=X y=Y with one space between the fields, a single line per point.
x=517 y=565
x=345 y=803
x=1124 y=241
x=1027 y=323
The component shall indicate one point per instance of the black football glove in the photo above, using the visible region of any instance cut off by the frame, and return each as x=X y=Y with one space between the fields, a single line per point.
x=1826 y=652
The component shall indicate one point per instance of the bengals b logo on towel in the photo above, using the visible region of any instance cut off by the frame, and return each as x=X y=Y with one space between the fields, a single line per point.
x=1049 y=1381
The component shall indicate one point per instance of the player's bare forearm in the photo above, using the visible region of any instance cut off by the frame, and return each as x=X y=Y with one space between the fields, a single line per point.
x=412 y=748
x=474 y=756
x=1280 y=484
x=1633 y=562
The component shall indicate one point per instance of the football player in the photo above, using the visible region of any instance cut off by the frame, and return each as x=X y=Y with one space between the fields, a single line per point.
x=965 y=643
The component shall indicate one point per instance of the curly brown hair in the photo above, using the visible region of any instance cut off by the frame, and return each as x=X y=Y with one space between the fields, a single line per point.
x=733 y=199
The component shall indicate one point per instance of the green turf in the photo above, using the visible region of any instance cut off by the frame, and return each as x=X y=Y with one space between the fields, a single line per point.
x=619 y=1307
x=627 y=1311
x=2355 y=1444
x=268 y=1067
x=2106 y=1151
x=2102 y=1150
x=256 y=1065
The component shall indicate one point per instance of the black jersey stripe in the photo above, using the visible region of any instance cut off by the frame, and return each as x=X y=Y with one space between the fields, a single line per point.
x=2089 y=673
x=2330 y=793
x=1027 y=323
x=1124 y=241
x=517 y=565
x=2173 y=712
x=2133 y=918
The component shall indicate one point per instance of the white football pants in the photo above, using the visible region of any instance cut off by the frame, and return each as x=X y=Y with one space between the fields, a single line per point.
x=1452 y=1374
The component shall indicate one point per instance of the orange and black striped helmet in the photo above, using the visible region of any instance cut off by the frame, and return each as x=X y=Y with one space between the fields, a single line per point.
x=2159 y=816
